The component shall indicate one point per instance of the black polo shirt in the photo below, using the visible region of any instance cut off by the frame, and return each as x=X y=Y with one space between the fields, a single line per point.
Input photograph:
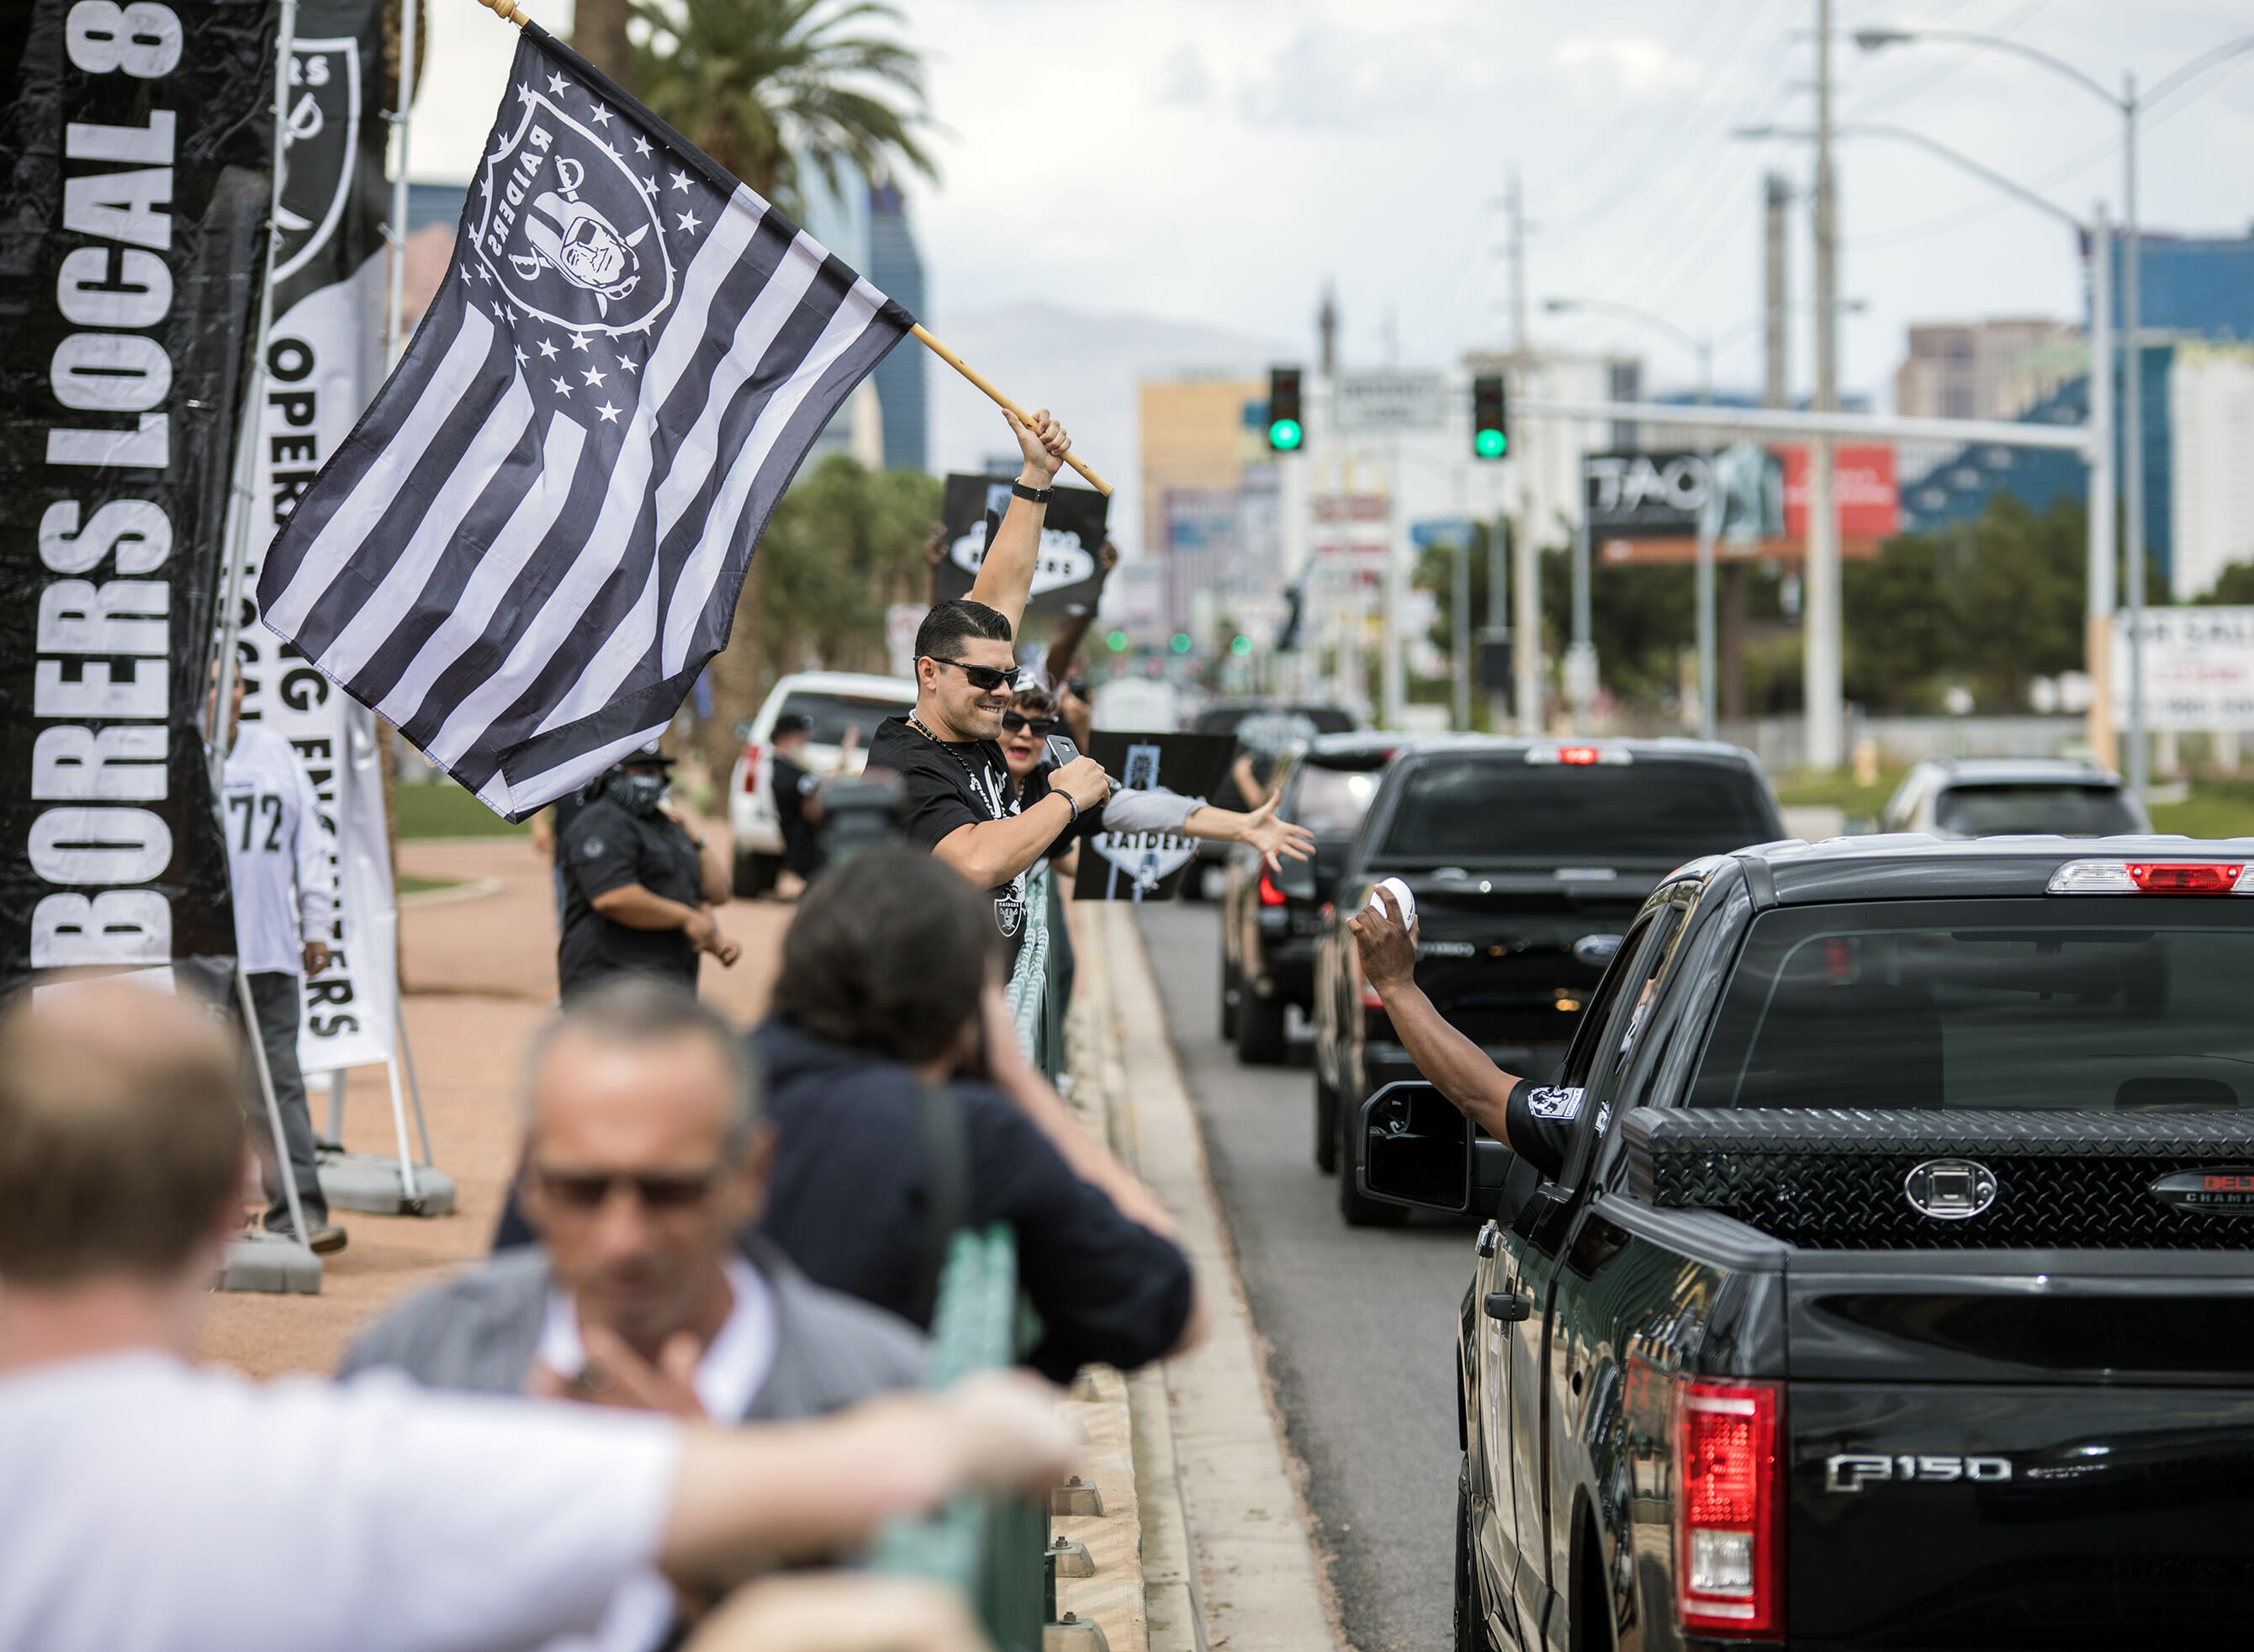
x=605 y=848
x=792 y=785
x=851 y=1190
x=952 y=784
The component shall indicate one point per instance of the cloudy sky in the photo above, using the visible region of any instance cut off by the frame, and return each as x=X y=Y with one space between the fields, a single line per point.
x=1214 y=162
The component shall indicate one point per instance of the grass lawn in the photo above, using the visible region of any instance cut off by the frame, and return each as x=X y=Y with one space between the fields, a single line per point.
x=440 y=808
x=1802 y=791
x=411 y=885
x=2216 y=808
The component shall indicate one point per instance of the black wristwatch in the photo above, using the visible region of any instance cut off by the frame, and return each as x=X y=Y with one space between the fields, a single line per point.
x=1037 y=495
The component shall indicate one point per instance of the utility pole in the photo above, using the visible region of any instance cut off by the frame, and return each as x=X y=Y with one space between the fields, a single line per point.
x=1820 y=675
x=1526 y=598
x=1776 y=392
x=2132 y=424
x=2104 y=555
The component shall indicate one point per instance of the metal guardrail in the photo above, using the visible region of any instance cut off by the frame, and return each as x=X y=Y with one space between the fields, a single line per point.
x=990 y=1548
x=1034 y=1001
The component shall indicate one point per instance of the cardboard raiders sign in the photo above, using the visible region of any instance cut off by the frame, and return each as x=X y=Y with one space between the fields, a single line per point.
x=1149 y=866
x=1068 y=578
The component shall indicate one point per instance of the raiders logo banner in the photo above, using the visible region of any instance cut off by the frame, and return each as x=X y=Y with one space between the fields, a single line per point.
x=1149 y=866
x=1068 y=578
x=324 y=353
x=523 y=555
x=135 y=184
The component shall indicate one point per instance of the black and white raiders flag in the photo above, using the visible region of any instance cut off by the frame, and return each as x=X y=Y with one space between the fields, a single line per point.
x=536 y=538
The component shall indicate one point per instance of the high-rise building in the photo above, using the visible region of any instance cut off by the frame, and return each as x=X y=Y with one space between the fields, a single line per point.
x=896 y=267
x=2211 y=478
x=1991 y=369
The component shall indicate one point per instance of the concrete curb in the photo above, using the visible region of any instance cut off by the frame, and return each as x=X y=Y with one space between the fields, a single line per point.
x=1237 y=1570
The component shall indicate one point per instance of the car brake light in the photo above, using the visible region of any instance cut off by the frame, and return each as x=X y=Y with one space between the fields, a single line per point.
x=1729 y=1509
x=2152 y=877
x=1577 y=754
x=751 y=768
x=1270 y=895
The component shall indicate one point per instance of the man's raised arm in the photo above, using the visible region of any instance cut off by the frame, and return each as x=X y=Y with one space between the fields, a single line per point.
x=1005 y=578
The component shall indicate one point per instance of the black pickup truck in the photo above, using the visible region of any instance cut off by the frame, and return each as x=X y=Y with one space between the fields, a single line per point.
x=1527 y=859
x=1876 y=1271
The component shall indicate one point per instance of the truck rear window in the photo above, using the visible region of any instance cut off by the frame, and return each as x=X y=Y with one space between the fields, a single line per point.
x=1459 y=812
x=2071 y=811
x=829 y=713
x=1330 y=802
x=2097 y=1003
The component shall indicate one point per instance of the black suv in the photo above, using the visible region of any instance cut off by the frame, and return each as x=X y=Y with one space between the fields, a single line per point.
x=1527 y=858
x=1268 y=920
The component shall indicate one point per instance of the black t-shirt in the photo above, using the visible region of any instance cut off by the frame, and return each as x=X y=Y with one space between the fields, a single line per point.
x=851 y=1188
x=951 y=785
x=606 y=847
x=802 y=849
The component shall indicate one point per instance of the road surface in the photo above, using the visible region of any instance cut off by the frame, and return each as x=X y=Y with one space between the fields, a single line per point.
x=1361 y=1322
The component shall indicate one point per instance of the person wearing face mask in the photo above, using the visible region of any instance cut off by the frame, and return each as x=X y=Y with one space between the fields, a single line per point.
x=641 y=879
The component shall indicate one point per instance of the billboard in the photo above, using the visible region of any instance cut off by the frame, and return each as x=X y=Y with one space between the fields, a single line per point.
x=1647 y=506
x=2199 y=668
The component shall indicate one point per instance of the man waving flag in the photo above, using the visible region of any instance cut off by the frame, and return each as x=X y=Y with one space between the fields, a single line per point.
x=535 y=539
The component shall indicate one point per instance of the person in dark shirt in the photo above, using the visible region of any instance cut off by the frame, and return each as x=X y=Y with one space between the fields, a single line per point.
x=797 y=792
x=888 y=994
x=639 y=884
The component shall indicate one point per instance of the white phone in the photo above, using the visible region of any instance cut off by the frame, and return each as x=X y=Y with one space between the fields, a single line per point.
x=1402 y=898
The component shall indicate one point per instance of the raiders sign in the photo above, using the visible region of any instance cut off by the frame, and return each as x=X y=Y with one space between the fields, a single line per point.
x=319 y=149
x=566 y=229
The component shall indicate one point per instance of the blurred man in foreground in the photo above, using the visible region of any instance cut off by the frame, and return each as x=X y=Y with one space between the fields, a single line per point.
x=152 y=1505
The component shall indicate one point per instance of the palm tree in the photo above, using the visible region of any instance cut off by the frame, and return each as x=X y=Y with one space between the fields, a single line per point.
x=767 y=87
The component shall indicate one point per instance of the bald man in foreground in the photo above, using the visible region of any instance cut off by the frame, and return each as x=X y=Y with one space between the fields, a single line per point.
x=155 y=1506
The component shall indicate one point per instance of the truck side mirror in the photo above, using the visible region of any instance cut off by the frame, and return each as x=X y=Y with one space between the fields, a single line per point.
x=1417 y=1149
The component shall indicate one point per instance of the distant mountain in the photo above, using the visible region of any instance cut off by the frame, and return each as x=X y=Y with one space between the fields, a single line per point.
x=1086 y=368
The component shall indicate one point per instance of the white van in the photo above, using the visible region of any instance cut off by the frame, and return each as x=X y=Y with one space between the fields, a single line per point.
x=829 y=700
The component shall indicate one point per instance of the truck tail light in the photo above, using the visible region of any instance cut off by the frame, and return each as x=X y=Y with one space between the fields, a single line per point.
x=1729 y=1509
x=1270 y=895
x=2152 y=877
x=751 y=768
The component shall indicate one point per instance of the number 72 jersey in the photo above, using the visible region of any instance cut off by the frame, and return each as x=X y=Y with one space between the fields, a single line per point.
x=280 y=851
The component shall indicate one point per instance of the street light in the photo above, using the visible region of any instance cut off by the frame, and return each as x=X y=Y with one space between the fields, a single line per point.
x=1877 y=38
x=1580 y=673
x=2098 y=606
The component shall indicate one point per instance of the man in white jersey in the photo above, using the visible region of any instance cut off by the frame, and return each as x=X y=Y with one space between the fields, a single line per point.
x=148 y=1505
x=278 y=852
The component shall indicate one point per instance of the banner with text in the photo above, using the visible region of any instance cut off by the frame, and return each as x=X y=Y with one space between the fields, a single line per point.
x=2199 y=668
x=1069 y=577
x=324 y=361
x=1149 y=866
x=136 y=193
x=1649 y=508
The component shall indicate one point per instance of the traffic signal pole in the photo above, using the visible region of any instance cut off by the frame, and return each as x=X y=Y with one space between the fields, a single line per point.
x=1820 y=688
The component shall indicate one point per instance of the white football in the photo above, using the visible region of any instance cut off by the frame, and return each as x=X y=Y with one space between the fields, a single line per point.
x=1402 y=898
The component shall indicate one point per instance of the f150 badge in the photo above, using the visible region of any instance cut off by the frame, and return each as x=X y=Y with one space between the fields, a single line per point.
x=1852 y=1471
x=1949 y=1189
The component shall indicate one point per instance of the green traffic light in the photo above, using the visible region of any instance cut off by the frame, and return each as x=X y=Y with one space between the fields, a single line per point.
x=1241 y=646
x=1491 y=443
x=1285 y=435
x=1117 y=640
x=1181 y=643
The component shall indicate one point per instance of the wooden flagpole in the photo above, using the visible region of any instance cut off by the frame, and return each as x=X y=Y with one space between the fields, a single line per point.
x=509 y=11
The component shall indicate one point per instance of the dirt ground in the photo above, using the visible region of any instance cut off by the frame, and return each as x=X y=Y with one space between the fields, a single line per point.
x=478 y=964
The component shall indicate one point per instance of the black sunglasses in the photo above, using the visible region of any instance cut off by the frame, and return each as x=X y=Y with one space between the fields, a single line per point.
x=1017 y=722
x=985 y=678
x=586 y=1190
